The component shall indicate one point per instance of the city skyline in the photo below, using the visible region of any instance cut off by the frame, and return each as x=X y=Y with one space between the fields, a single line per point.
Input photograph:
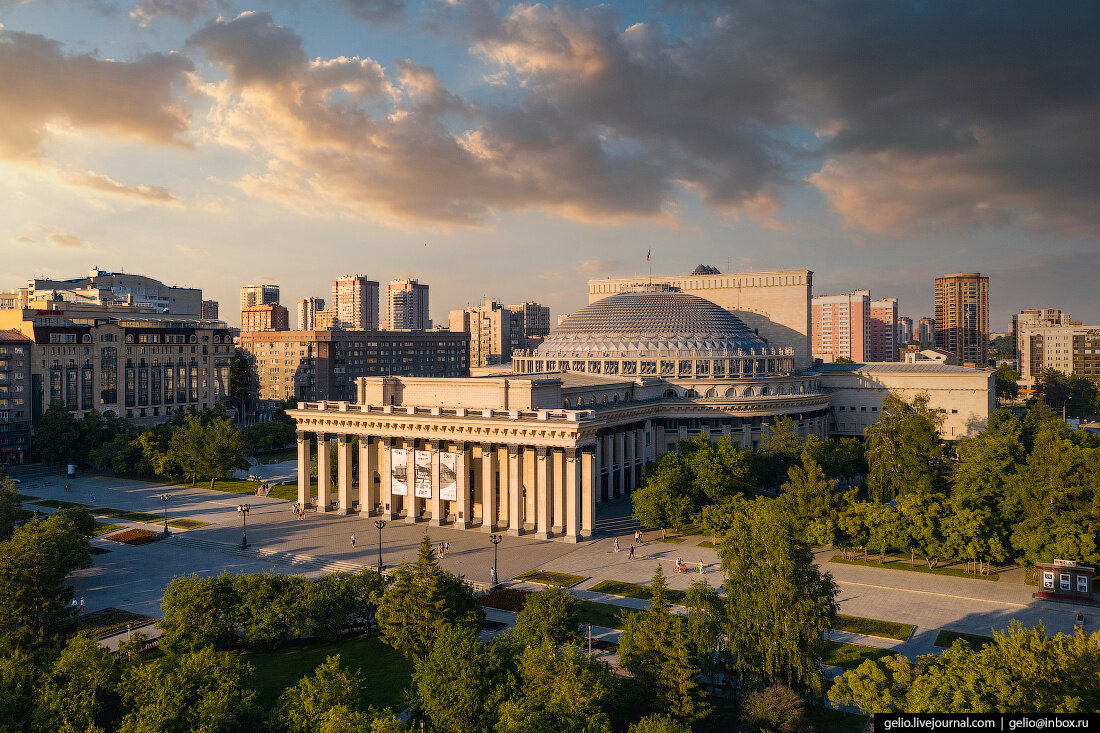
x=486 y=160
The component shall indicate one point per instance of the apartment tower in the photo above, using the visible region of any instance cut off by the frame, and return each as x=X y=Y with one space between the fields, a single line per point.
x=962 y=316
x=307 y=313
x=407 y=305
x=354 y=303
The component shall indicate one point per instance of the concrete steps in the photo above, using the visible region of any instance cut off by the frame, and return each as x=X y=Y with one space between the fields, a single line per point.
x=305 y=562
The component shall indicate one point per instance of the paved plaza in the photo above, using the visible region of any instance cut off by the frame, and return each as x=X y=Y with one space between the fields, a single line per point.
x=135 y=577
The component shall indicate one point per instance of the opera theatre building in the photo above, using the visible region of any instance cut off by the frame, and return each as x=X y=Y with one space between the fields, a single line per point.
x=539 y=449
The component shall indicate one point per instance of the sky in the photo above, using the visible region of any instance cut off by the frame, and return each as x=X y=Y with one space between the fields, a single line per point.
x=514 y=150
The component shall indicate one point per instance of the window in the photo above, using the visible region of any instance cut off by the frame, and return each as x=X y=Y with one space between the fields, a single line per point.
x=1063 y=581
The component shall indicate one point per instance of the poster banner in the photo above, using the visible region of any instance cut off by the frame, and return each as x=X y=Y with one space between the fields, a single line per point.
x=399 y=472
x=423 y=474
x=448 y=479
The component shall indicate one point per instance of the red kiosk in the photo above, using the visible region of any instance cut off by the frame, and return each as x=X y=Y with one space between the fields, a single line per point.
x=1065 y=580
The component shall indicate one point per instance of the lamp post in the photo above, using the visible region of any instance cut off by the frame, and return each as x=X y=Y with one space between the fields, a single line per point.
x=166 y=498
x=495 y=539
x=380 y=523
x=243 y=510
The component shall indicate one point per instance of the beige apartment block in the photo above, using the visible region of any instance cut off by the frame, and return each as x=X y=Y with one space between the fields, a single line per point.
x=1070 y=348
x=775 y=304
x=965 y=397
x=354 y=303
x=962 y=316
x=253 y=295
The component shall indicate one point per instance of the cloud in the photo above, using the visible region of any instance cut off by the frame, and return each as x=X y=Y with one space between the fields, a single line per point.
x=148 y=11
x=24 y=240
x=375 y=10
x=41 y=86
x=106 y=184
x=68 y=240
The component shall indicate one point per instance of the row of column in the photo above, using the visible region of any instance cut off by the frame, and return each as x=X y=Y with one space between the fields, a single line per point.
x=546 y=490
x=621 y=452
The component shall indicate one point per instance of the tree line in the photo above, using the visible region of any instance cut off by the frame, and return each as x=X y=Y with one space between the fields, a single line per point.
x=194 y=446
x=1025 y=490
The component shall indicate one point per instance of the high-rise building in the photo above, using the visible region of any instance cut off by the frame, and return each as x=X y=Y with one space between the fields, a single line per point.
x=354 y=303
x=307 y=313
x=905 y=330
x=489 y=326
x=962 y=316
x=841 y=326
x=926 y=330
x=530 y=324
x=1049 y=339
x=210 y=310
x=15 y=397
x=258 y=295
x=407 y=306
x=1032 y=319
x=270 y=317
x=883 y=327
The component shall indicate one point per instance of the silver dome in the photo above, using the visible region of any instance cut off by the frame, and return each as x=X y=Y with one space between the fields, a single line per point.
x=649 y=321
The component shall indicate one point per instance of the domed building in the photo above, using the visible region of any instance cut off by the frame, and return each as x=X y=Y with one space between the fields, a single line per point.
x=538 y=450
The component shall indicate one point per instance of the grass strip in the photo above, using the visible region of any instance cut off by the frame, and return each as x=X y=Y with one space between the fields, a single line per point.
x=105 y=527
x=946 y=638
x=287 y=492
x=547 y=577
x=603 y=614
x=108 y=621
x=385 y=673
x=893 y=563
x=187 y=523
x=236 y=486
x=850 y=656
x=873 y=627
x=128 y=516
x=59 y=504
x=633 y=590
x=672 y=540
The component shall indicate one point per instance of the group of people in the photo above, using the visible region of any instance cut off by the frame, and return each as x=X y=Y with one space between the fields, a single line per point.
x=442 y=549
x=299 y=512
x=683 y=568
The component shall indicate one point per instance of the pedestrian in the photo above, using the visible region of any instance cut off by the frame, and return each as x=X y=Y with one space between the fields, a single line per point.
x=353 y=540
x=446 y=548
x=616 y=544
x=91 y=498
x=81 y=609
x=631 y=555
x=68 y=487
x=700 y=567
x=492 y=576
x=638 y=536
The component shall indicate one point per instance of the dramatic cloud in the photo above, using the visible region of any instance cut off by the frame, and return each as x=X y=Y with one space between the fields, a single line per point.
x=41 y=86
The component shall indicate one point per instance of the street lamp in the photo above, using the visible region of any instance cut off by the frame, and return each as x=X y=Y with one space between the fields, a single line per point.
x=165 y=498
x=243 y=510
x=495 y=539
x=380 y=523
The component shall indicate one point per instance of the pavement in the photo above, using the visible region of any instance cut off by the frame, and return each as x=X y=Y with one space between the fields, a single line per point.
x=135 y=577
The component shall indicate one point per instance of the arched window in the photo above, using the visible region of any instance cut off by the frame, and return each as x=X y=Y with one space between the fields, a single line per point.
x=748 y=392
x=615 y=397
x=592 y=400
x=580 y=402
x=764 y=392
x=603 y=399
x=670 y=393
x=567 y=404
x=691 y=394
x=731 y=392
x=712 y=393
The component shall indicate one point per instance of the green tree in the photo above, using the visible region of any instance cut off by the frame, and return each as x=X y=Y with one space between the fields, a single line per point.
x=779 y=605
x=421 y=600
x=875 y=686
x=904 y=449
x=78 y=693
x=658 y=723
x=549 y=615
x=34 y=602
x=200 y=612
x=924 y=519
x=812 y=500
x=267 y=607
x=560 y=691
x=717 y=519
x=341 y=602
x=186 y=450
x=776 y=709
x=56 y=434
x=989 y=460
x=462 y=683
x=1007 y=379
x=222 y=451
x=200 y=692
x=665 y=498
x=10 y=504
x=19 y=671
x=241 y=390
x=717 y=470
x=302 y=708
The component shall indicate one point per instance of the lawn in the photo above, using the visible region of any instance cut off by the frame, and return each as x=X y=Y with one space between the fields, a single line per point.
x=893 y=563
x=603 y=614
x=278 y=456
x=850 y=656
x=105 y=527
x=873 y=627
x=107 y=621
x=59 y=504
x=384 y=672
x=546 y=577
x=946 y=638
x=633 y=590
x=187 y=523
x=127 y=516
x=236 y=486
x=288 y=492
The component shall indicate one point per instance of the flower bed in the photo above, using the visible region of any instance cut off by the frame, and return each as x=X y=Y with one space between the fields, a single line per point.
x=132 y=537
x=506 y=599
x=546 y=577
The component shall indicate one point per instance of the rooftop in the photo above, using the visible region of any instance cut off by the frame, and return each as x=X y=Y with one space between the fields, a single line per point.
x=926 y=367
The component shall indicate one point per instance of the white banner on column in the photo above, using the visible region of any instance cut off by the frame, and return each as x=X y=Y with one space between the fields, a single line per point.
x=423 y=486
x=448 y=479
x=399 y=471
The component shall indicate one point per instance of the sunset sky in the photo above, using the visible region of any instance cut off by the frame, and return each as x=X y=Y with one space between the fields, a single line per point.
x=514 y=150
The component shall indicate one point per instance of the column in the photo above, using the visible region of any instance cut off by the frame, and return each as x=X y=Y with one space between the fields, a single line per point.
x=558 y=483
x=437 y=501
x=343 y=473
x=597 y=468
x=385 y=473
x=572 y=487
x=412 y=504
x=488 y=488
x=515 y=491
x=628 y=460
x=303 y=469
x=619 y=461
x=544 y=494
x=368 y=495
x=462 y=474
x=588 y=494
x=323 y=476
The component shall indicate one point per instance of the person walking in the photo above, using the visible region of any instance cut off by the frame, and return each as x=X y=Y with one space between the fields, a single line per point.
x=616 y=544
x=700 y=567
x=492 y=576
x=631 y=555
x=81 y=609
x=353 y=540
x=446 y=548
x=638 y=536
